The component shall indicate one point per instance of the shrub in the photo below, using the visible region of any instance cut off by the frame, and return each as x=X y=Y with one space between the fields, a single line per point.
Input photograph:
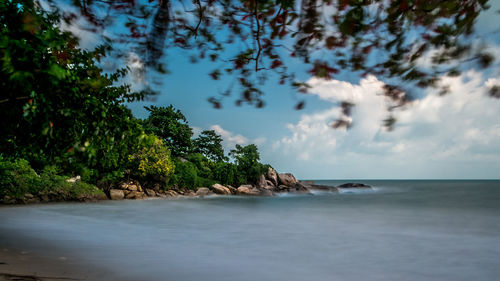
x=152 y=161
x=18 y=178
x=185 y=175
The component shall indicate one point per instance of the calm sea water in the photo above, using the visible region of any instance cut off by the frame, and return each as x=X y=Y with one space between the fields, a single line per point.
x=402 y=230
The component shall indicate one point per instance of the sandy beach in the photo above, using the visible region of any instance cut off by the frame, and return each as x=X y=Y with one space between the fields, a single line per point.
x=21 y=265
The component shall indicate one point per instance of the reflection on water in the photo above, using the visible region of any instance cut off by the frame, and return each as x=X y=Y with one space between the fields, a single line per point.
x=404 y=230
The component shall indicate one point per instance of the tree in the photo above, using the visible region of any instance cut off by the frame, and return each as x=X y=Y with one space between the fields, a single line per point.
x=56 y=105
x=247 y=162
x=383 y=38
x=171 y=126
x=209 y=143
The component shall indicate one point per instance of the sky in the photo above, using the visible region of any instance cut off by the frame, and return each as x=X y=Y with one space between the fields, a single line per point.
x=456 y=136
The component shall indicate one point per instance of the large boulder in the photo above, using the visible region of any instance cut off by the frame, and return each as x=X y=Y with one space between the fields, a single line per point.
x=287 y=179
x=220 y=189
x=131 y=186
x=248 y=190
x=272 y=176
x=150 y=192
x=134 y=195
x=232 y=189
x=116 y=194
x=171 y=193
x=202 y=191
x=261 y=182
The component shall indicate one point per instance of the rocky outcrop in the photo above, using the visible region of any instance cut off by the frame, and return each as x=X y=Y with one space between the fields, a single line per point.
x=116 y=194
x=272 y=176
x=261 y=182
x=287 y=179
x=354 y=185
x=249 y=190
x=220 y=189
x=131 y=186
x=202 y=192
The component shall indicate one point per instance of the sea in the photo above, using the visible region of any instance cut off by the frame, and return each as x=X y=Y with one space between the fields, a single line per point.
x=399 y=230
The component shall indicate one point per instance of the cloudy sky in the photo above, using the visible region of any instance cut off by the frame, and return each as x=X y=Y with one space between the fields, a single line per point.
x=456 y=136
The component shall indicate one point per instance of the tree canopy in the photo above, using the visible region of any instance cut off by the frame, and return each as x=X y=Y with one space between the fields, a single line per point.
x=209 y=143
x=170 y=125
x=249 y=39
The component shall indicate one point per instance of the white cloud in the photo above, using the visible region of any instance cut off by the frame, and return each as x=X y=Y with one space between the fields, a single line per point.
x=435 y=137
x=231 y=139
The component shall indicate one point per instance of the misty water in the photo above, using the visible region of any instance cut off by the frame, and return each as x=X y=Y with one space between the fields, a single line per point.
x=401 y=230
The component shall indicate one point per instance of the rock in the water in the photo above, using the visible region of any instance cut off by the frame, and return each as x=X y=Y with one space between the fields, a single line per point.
x=287 y=179
x=272 y=176
x=202 y=191
x=354 y=185
x=220 y=189
x=116 y=194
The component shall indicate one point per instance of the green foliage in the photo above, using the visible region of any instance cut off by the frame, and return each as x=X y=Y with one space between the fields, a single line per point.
x=203 y=165
x=247 y=162
x=227 y=173
x=57 y=105
x=185 y=175
x=18 y=178
x=153 y=160
x=209 y=143
x=171 y=126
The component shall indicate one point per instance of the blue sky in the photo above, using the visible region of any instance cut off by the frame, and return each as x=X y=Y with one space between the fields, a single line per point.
x=455 y=136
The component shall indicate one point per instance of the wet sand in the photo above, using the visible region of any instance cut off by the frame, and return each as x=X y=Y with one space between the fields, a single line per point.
x=23 y=266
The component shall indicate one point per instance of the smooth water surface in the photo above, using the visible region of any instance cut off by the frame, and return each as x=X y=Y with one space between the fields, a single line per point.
x=402 y=230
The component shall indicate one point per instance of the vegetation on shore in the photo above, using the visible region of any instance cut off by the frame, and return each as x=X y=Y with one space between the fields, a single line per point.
x=63 y=116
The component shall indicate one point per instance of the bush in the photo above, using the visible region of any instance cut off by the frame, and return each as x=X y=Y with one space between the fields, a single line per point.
x=185 y=175
x=153 y=161
x=18 y=178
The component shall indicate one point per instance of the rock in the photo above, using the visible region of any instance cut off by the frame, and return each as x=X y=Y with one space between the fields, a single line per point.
x=248 y=190
x=131 y=195
x=150 y=192
x=190 y=193
x=101 y=196
x=261 y=182
x=232 y=189
x=272 y=176
x=354 y=185
x=28 y=196
x=116 y=194
x=45 y=197
x=131 y=185
x=299 y=188
x=33 y=200
x=74 y=179
x=9 y=200
x=202 y=191
x=283 y=188
x=134 y=195
x=287 y=179
x=171 y=193
x=220 y=189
